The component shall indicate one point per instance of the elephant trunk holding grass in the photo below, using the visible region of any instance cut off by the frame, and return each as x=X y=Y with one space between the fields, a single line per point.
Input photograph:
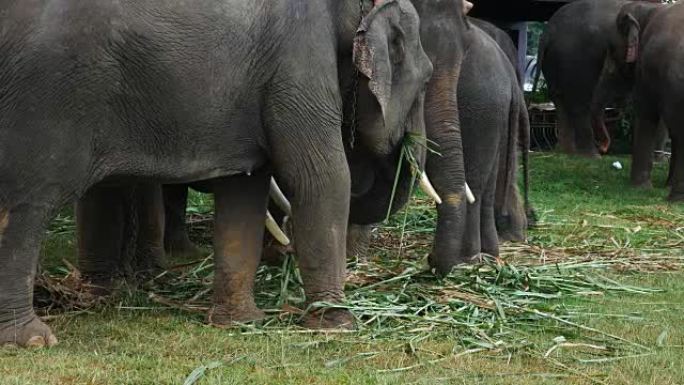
x=174 y=92
x=646 y=46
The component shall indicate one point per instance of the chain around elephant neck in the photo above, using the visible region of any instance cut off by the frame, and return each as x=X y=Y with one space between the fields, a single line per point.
x=355 y=90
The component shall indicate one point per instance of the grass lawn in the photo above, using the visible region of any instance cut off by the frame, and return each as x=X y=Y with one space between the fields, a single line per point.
x=597 y=297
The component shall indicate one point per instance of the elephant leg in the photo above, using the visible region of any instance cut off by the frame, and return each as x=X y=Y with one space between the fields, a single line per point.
x=22 y=229
x=319 y=182
x=575 y=131
x=566 y=133
x=676 y=173
x=677 y=169
x=101 y=221
x=642 y=150
x=472 y=238
x=176 y=239
x=489 y=240
x=238 y=242
x=585 y=142
x=358 y=242
x=661 y=142
x=149 y=254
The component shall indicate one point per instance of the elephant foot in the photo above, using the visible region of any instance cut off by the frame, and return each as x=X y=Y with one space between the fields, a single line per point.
x=329 y=319
x=182 y=247
x=227 y=316
x=589 y=153
x=443 y=266
x=150 y=263
x=676 y=197
x=642 y=184
x=103 y=285
x=31 y=334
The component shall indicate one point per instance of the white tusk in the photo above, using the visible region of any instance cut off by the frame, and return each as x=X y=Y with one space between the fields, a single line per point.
x=427 y=187
x=279 y=198
x=275 y=230
x=467 y=6
x=469 y=194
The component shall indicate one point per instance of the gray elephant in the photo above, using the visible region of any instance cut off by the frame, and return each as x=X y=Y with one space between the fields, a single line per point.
x=474 y=119
x=509 y=217
x=572 y=51
x=645 y=46
x=511 y=223
x=171 y=92
x=491 y=111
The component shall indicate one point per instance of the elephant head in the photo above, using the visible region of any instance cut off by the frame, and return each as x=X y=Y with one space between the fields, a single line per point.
x=393 y=71
x=617 y=76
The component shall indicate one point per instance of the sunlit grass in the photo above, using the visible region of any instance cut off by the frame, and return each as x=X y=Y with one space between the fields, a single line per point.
x=612 y=243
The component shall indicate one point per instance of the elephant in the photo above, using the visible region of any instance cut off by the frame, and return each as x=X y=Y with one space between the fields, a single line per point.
x=511 y=227
x=474 y=111
x=492 y=113
x=233 y=90
x=645 y=46
x=510 y=212
x=572 y=52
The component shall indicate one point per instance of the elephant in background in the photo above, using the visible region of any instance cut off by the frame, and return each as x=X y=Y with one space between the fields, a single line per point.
x=572 y=51
x=173 y=93
x=120 y=232
x=646 y=46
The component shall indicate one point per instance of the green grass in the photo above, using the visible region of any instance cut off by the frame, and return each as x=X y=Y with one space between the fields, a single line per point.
x=591 y=223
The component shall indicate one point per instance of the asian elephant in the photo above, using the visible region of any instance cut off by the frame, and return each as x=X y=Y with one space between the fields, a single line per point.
x=474 y=111
x=511 y=224
x=572 y=51
x=173 y=92
x=492 y=113
x=646 y=46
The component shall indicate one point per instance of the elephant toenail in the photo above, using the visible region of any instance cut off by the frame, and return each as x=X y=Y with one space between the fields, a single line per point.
x=36 y=342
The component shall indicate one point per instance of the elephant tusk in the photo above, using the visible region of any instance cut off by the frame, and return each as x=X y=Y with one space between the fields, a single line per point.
x=469 y=194
x=275 y=230
x=279 y=198
x=428 y=188
x=467 y=6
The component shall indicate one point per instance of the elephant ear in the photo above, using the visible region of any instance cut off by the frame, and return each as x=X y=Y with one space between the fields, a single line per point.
x=629 y=28
x=378 y=46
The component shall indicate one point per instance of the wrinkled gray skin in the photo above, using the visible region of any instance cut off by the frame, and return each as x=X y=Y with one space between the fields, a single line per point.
x=502 y=38
x=492 y=109
x=572 y=51
x=512 y=214
x=171 y=92
x=646 y=45
x=443 y=29
x=474 y=109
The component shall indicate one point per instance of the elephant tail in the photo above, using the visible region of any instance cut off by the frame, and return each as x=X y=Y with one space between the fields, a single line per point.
x=524 y=138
